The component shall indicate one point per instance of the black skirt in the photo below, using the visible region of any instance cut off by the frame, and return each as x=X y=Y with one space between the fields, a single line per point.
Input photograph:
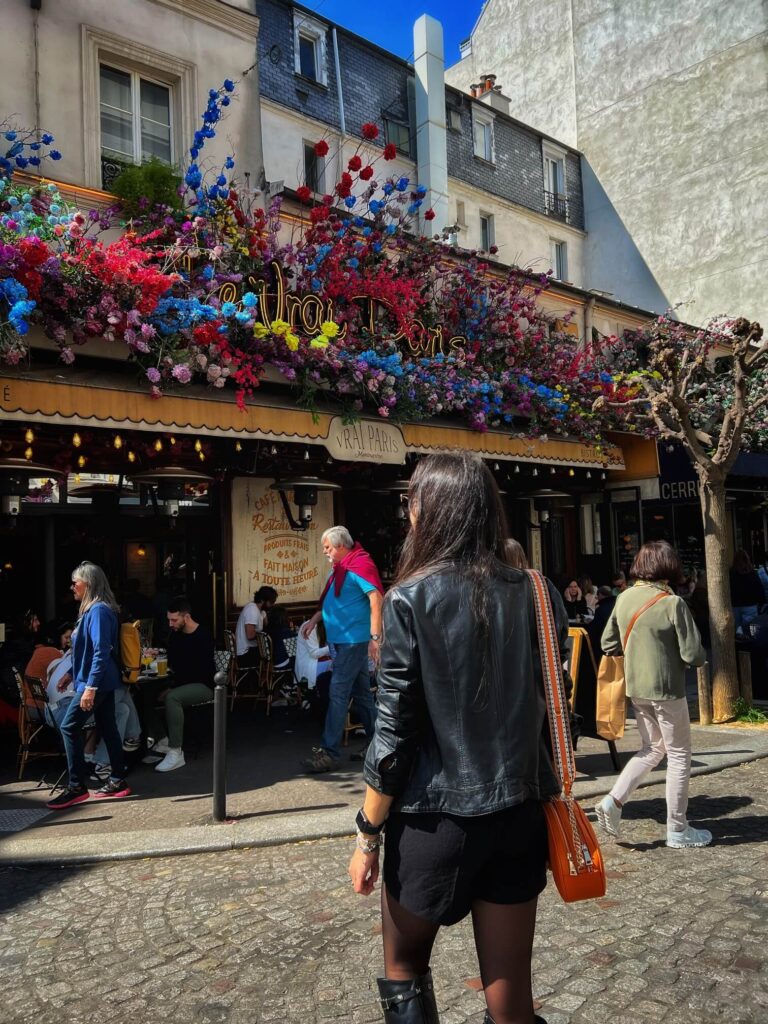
x=437 y=865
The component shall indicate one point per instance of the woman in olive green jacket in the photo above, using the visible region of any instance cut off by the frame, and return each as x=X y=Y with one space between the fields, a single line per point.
x=663 y=641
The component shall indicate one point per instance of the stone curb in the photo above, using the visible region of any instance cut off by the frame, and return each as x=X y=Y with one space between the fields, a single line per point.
x=241 y=834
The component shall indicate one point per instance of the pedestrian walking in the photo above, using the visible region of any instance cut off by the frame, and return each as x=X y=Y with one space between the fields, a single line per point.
x=350 y=607
x=746 y=591
x=654 y=629
x=96 y=677
x=458 y=768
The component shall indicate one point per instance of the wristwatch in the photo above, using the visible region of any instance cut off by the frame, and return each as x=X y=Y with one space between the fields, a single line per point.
x=376 y=637
x=364 y=826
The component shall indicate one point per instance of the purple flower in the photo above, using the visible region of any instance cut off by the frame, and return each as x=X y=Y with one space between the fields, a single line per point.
x=153 y=375
x=182 y=373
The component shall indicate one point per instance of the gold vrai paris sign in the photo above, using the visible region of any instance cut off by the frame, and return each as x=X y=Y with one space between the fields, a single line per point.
x=365 y=441
x=308 y=313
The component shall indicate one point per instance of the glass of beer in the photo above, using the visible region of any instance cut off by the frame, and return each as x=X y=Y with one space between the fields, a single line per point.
x=162 y=662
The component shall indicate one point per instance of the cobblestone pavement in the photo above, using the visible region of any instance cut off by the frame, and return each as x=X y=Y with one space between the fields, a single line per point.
x=276 y=934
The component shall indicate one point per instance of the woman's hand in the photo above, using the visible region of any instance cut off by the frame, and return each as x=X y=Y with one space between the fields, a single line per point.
x=88 y=698
x=63 y=683
x=364 y=871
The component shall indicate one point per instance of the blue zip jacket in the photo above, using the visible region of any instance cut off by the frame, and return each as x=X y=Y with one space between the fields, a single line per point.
x=94 y=647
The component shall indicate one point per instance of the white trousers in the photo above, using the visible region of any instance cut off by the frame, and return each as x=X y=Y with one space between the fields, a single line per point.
x=665 y=728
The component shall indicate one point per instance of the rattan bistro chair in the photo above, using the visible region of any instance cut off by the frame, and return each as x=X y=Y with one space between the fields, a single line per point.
x=240 y=673
x=35 y=726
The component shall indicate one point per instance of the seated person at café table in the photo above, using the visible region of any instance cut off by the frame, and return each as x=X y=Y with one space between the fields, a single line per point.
x=190 y=661
x=252 y=620
x=574 y=602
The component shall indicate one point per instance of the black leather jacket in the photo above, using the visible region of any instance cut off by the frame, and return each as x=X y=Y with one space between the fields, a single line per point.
x=437 y=746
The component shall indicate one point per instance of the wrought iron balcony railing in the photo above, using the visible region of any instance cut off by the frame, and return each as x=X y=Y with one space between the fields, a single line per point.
x=556 y=205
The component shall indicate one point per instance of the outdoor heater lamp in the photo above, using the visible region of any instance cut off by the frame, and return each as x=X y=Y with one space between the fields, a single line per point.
x=397 y=487
x=15 y=475
x=305 y=490
x=170 y=482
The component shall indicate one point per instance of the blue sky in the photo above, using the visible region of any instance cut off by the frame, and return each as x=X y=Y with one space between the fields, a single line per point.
x=392 y=27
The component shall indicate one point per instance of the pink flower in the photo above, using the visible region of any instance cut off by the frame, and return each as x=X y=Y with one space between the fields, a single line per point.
x=182 y=373
x=153 y=375
x=67 y=355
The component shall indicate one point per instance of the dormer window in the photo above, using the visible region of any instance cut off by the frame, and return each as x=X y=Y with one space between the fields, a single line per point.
x=309 y=45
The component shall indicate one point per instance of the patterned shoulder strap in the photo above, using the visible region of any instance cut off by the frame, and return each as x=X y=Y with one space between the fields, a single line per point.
x=554 y=689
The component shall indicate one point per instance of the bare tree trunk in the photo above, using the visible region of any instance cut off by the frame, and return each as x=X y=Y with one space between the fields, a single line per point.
x=725 y=680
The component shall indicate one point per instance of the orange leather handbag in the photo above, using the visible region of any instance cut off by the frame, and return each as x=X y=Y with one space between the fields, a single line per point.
x=575 y=859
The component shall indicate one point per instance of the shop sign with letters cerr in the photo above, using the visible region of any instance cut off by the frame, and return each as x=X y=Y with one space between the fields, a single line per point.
x=365 y=441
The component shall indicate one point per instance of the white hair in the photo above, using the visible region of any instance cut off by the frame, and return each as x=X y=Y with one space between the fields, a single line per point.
x=338 y=537
x=97 y=587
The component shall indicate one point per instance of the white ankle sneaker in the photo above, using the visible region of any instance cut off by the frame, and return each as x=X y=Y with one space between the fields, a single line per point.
x=173 y=759
x=161 y=747
x=609 y=816
x=690 y=836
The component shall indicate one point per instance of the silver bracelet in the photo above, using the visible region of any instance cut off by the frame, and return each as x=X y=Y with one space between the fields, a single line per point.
x=368 y=844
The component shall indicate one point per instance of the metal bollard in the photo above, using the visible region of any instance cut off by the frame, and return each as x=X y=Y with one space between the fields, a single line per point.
x=220 y=747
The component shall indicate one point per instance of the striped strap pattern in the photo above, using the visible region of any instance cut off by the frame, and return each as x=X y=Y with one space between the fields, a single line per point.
x=554 y=688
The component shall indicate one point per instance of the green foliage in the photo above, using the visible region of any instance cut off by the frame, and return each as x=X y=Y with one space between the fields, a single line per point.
x=744 y=712
x=143 y=187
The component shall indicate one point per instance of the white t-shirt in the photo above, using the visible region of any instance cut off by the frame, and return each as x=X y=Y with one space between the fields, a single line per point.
x=311 y=658
x=56 y=671
x=251 y=615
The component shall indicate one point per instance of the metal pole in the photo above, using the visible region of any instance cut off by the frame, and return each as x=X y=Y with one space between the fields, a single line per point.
x=220 y=747
x=705 y=695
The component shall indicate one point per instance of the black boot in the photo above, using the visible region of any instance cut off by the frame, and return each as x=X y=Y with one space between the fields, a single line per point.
x=408 y=1002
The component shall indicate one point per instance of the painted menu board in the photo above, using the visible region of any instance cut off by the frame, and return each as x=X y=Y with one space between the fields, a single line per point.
x=267 y=552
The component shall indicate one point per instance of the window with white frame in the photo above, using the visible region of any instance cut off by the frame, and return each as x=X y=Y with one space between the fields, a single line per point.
x=482 y=133
x=309 y=44
x=314 y=168
x=461 y=216
x=399 y=134
x=558 y=254
x=555 y=195
x=487 y=231
x=135 y=117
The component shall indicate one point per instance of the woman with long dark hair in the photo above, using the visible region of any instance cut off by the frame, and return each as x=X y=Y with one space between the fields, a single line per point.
x=96 y=677
x=458 y=767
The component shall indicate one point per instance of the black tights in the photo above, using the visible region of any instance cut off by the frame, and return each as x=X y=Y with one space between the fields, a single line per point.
x=504 y=942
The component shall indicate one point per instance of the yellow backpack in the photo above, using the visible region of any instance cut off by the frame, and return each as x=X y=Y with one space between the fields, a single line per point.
x=130 y=652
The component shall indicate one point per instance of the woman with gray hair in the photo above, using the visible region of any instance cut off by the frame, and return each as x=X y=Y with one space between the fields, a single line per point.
x=96 y=677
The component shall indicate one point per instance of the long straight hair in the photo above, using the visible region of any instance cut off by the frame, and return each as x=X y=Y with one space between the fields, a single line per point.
x=459 y=522
x=97 y=587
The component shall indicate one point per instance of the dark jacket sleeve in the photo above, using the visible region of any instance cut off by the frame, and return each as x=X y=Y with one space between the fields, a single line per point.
x=101 y=631
x=400 y=702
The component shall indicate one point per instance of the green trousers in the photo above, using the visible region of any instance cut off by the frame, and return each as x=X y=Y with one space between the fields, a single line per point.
x=176 y=700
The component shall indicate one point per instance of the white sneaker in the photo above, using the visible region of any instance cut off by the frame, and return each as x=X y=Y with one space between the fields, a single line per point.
x=690 y=836
x=173 y=759
x=162 y=746
x=609 y=816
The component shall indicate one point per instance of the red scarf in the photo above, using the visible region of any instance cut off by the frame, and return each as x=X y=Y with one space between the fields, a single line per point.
x=361 y=564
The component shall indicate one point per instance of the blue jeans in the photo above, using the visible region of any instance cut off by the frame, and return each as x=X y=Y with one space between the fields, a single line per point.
x=72 y=735
x=743 y=615
x=127 y=719
x=350 y=679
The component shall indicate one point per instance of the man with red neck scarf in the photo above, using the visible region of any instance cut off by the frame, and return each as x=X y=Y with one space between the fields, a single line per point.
x=350 y=607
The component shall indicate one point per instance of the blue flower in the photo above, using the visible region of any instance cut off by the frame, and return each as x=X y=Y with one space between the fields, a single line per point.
x=35 y=161
x=242 y=317
x=213 y=94
x=15 y=149
x=11 y=136
x=366 y=232
x=402 y=185
x=21 y=162
x=387 y=188
x=229 y=85
x=376 y=206
x=221 y=180
x=229 y=163
x=194 y=152
x=350 y=201
x=55 y=154
x=47 y=139
x=250 y=300
x=34 y=146
x=421 y=190
x=225 y=101
x=193 y=177
x=391 y=229
x=228 y=309
x=354 y=262
x=207 y=273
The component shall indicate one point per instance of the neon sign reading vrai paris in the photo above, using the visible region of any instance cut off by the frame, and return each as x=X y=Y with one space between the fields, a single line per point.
x=310 y=312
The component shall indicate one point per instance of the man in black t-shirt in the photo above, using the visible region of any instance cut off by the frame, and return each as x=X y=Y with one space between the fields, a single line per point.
x=190 y=660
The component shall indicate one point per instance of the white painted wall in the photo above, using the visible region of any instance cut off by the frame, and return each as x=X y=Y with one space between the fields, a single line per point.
x=216 y=40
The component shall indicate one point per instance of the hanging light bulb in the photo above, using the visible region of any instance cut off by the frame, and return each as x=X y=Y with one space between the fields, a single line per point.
x=76 y=440
x=172 y=439
x=158 y=445
x=571 y=472
x=496 y=467
x=198 y=445
x=131 y=456
x=118 y=442
x=602 y=476
x=29 y=453
x=306 y=454
x=201 y=456
x=238 y=446
x=517 y=468
x=77 y=478
x=273 y=450
x=141 y=551
x=110 y=479
x=81 y=461
x=551 y=470
x=589 y=474
x=29 y=436
x=535 y=472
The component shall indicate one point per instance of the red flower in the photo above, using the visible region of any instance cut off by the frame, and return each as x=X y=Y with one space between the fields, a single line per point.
x=493 y=250
x=318 y=214
x=355 y=163
x=370 y=131
x=390 y=151
x=321 y=148
x=366 y=173
x=430 y=214
x=304 y=193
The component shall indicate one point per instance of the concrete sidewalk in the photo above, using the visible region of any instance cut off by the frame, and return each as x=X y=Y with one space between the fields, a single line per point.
x=269 y=800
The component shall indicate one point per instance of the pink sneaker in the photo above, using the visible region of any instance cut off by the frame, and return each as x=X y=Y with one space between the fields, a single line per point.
x=112 y=790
